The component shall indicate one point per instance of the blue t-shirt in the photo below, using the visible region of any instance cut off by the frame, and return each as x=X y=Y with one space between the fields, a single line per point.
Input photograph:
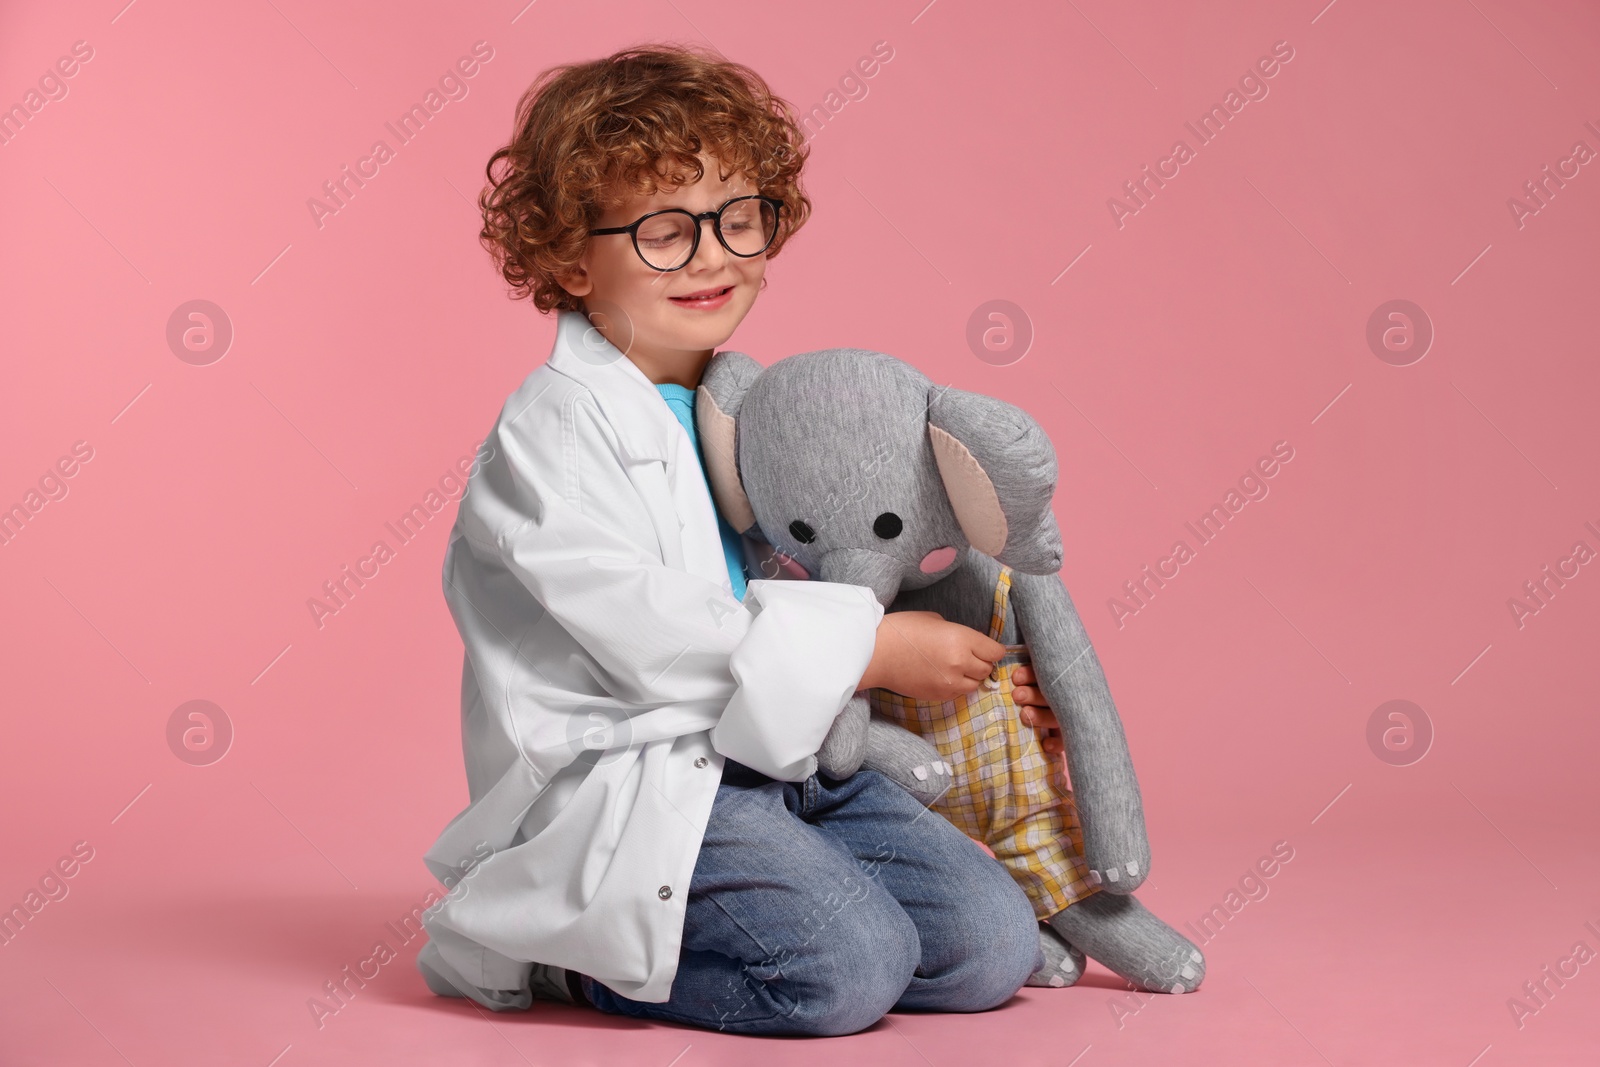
x=680 y=401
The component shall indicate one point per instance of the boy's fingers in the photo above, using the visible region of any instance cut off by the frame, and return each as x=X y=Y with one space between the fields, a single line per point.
x=978 y=669
x=987 y=648
x=1031 y=696
x=1043 y=718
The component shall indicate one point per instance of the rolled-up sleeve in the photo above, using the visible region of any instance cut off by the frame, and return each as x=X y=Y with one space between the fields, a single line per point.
x=807 y=647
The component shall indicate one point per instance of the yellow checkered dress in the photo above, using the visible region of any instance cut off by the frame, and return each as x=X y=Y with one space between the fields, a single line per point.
x=1007 y=792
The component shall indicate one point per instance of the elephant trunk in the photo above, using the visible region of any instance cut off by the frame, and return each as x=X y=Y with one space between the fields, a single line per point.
x=878 y=571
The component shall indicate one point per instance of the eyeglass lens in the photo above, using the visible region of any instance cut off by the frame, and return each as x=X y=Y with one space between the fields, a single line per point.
x=666 y=240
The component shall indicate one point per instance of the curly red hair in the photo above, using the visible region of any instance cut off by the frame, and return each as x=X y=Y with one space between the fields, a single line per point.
x=589 y=134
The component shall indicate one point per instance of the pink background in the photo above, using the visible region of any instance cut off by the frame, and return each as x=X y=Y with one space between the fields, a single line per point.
x=1229 y=313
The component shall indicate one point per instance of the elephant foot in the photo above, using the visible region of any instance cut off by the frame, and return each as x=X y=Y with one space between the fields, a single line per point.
x=1063 y=964
x=1120 y=879
x=910 y=761
x=1122 y=934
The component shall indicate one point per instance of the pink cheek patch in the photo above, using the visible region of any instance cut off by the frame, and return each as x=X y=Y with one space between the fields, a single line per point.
x=938 y=559
x=790 y=566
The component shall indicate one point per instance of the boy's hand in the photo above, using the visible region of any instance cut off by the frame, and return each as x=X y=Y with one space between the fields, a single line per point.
x=1035 y=712
x=921 y=655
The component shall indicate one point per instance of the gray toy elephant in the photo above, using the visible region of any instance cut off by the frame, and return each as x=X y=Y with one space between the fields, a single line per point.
x=858 y=469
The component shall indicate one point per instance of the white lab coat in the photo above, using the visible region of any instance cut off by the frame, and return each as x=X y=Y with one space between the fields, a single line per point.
x=587 y=579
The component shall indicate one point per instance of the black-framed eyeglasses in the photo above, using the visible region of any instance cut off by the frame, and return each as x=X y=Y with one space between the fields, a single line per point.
x=668 y=239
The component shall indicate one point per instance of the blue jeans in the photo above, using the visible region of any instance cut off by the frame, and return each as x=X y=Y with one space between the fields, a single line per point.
x=817 y=906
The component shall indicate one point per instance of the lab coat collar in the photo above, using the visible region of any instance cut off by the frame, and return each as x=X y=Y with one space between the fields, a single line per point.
x=631 y=403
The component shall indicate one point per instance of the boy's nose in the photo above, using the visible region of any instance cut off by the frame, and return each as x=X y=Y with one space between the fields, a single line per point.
x=710 y=253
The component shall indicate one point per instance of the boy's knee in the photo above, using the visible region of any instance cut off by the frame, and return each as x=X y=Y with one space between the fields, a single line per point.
x=861 y=968
x=995 y=947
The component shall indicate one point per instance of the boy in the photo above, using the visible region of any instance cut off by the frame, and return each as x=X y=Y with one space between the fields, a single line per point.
x=639 y=723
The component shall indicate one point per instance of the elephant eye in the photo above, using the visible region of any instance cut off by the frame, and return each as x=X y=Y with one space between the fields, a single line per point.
x=802 y=533
x=887 y=526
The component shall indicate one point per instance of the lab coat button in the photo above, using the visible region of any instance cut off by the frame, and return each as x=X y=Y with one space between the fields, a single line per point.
x=665 y=892
x=701 y=761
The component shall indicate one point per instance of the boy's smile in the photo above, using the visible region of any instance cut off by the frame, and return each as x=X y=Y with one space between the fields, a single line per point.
x=705 y=299
x=669 y=322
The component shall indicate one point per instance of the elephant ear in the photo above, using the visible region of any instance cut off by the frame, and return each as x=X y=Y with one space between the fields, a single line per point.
x=727 y=378
x=999 y=471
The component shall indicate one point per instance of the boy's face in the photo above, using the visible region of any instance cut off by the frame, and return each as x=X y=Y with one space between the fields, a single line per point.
x=641 y=310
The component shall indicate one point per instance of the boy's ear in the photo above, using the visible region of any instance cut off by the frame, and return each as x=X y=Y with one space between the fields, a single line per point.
x=999 y=472
x=727 y=378
x=576 y=282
